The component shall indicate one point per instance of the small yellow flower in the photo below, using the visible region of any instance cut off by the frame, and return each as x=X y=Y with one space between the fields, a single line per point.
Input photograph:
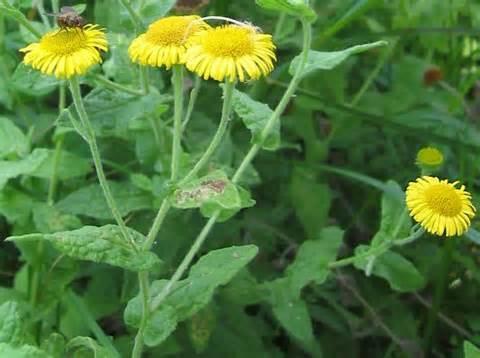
x=165 y=42
x=439 y=206
x=231 y=52
x=67 y=52
x=429 y=157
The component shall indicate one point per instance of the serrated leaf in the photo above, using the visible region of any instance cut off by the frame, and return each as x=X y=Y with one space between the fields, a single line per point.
x=470 y=350
x=103 y=244
x=255 y=116
x=318 y=60
x=400 y=273
x=26 y=351
x=91 y=345
x=12 y=330
x=300 y=8
x=12 y=139
x=190 y=295
x=90 y=201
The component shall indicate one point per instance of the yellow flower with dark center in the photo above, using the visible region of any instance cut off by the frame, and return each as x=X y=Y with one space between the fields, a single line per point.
x=231 y=52
x=67 y=52
x=429 y=156
x=165 y=42
x=439 y=206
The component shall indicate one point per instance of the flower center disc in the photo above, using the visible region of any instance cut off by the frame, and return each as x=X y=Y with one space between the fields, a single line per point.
x=64 y=41
x=171 y=31
x=443 y=199
x=231 y=41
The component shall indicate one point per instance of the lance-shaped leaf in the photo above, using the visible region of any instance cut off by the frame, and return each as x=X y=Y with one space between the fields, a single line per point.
x=190 y=295
x=255 y=116
x=211 y=193
x=318 y=60
x=12 y=139
x=299 y=8
x=13 y=169
x=98 y=244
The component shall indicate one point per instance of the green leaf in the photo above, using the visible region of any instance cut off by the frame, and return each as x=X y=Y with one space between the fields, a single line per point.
x=80 y=8
x=12 y=330
x=12 y=139
x=298 y=8
x=89 y=201
x=400 y=273
x=54 y=345
x=318 y=60
x=313 y=257
x=87 y=343
x=190 y=295
x=13 y=169
x=98 y=244
x=152 y=10
x=211 y=193
x=32 y=82
x=395 y=221
x=311 y=200
x=48 y=219
x=255 y=116
x=15 y=205
x=26 y=351
x=69 y=165
x=470 y=350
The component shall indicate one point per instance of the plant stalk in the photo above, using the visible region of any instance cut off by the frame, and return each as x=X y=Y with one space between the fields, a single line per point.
x=177 y=83
x=92 y=142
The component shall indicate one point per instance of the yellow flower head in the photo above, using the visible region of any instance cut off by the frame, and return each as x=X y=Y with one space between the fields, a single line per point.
x=439 y=206
x=67 y=52
x=429 y=157
x=231 y=52
x=165 y=42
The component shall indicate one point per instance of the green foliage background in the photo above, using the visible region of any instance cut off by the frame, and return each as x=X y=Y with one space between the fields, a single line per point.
x=329 y=186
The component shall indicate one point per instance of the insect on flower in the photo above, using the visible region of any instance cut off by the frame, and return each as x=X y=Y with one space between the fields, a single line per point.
x=69 y=17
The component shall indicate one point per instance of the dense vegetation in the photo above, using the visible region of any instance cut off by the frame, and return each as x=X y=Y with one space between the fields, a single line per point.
x=308 y=248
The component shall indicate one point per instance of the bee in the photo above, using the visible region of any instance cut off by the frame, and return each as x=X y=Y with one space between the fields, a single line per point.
x=69 y=17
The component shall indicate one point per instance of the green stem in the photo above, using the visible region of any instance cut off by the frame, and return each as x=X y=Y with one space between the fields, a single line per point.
x=377 y=250
x=226 y=109
x=116 y=86
x=307 y=39
x=307 y=30
x=439 y=294
x=41 y=11
x=191 y=103
x=54 y=178
x=55 y=6
x=144 y=80
x=217 y=138
x=177 y=83
x=137 y=21
x=92 y=142
x=79 y=305
x=197 y=244
x=20 y=18
x=144 y=291
x=279 y=26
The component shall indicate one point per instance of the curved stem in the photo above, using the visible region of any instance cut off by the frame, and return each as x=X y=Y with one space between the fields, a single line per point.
x=116 y=86
x=197 y=244
x=307 y=39
x=137 y=21
x=156 y=302
x=191 y=102
x=157 y=223
x=92 y=142
x=144 y=290
x=177 y=83
x=217 y=138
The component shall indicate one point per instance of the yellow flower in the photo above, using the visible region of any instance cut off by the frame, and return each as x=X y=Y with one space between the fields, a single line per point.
x=165 y=42
x=430 y=157
x=67 y=52
x=439 y=206
x=231 y=52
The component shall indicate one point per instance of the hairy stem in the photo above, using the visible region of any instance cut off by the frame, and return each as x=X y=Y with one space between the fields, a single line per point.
x=116 y=86
x=177 y=83
x=191 y=102
x=92 y=142
x=145 y=292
